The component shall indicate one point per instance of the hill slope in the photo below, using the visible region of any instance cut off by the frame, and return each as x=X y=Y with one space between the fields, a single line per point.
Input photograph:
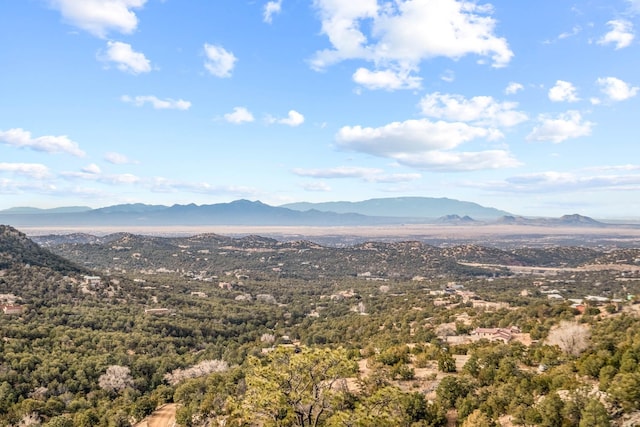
x=17 y=248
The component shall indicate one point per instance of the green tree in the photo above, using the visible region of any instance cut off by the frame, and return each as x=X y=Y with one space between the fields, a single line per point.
x=142 y=407
x=478 y=419
x=625 y=390
x=389 y=406
x=594 y=414
x=606 y=375
x=295 y=387
x=59 y=421
x=451 y=389
x=87 y=418
x=550 y=409
x=446 y=362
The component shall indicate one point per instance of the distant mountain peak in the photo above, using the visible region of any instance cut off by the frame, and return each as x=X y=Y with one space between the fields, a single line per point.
x=456 y=219
x=579 y=219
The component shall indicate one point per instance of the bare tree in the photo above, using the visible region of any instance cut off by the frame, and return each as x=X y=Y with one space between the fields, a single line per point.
x=359 y=308
x=268 y=338
x=116 y=378
x=202 y=369
x=571 y=337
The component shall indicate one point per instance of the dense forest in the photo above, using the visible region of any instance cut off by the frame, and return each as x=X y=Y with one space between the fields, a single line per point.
x=253 y=332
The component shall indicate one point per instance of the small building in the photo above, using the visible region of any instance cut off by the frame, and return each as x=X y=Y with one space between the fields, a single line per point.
x=92 y=280
x=13 y=309
x=496 y=334
x=580 y=307
x=225 y=285
x=198 y=294
x=594 y=299
x=489 y=305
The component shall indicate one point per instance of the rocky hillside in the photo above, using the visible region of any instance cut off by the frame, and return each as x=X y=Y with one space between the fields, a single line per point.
x=17 y=248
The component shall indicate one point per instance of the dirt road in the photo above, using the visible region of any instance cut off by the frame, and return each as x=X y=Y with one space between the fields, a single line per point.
x=164 y=416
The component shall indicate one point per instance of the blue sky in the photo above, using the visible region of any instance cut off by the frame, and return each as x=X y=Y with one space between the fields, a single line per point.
x=530 y=107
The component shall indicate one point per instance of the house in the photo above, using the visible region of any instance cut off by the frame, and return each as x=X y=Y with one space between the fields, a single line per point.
x=596 y=299
x=496 y=334
x=488 y=305
x=92 y=280
x=12 y=309
x=581 y=308
x=225 y=285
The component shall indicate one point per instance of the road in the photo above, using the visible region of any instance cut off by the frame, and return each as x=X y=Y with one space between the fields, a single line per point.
x=164 y=416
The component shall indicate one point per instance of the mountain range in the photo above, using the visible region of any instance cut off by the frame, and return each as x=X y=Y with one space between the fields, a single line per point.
x=382 y=211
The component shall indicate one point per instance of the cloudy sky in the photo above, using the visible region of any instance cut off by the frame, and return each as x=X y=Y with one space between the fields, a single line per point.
x=530 y=107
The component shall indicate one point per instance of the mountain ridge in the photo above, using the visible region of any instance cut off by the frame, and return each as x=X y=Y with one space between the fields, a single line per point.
x=420 y=207
x=371 y=212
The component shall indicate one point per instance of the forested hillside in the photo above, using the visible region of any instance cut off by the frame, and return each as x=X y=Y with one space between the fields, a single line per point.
x=254 y=331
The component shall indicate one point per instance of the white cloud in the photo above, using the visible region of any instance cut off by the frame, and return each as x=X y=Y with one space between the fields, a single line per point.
x=551 y=178
x=394 y=178
x=479 y=110
x=98 y=17
x=387 y=79
x=340 y=22
x=366 y=174
x=124 y=178
x=563 y=92
x=219 y=61
x=411 y=136
x=92 y=168
x=448 y=76
x=513 y=88
x=616 y=89
x=125 y=58
x=239 y=115
x=425 y=144
x=405 y=33
x=460 y=161
x=157 y=103
x=574 y=32
x=50 y=144
x=118 y=159
x=338 y=172
x=634 y=5
x=621 y=34
x=293 y=119
x=8 y=186
x=316 y=186
x=31 y=170
x=560 y=182
x=164 y=185
x=92 y=174
x=564 y=126
x=270 y=9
